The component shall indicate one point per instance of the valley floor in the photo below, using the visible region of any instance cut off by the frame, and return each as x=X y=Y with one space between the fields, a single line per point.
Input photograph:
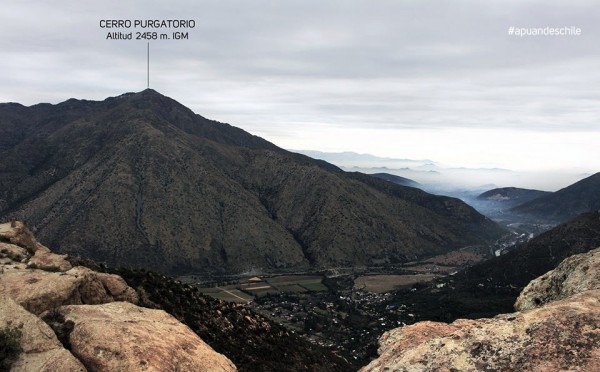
x=347 y=310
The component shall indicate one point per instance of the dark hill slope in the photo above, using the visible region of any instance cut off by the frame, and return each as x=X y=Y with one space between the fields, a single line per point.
x=541 y=254
x=565 y=204
x=169 y=190
x=492 y=287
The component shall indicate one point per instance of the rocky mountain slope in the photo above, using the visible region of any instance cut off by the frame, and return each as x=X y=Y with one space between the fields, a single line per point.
x=169 y=190
x=63 y=318
x=565 y=204
x=75 y=307
x=556 y=327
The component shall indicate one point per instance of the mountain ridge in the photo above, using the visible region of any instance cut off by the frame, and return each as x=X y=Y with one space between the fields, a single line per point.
x=396 y=179
x=581 y=197
x=170 y=190
x=511 y=193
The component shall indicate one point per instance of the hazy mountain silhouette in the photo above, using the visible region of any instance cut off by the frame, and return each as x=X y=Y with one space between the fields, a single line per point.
x=512 y=194
x=141 y=180
x=564 y=204
x=396 y=179
x=508 y=197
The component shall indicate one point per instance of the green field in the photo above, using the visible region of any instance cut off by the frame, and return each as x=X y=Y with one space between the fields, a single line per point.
x=314 y=286
x=308 y=282
x=388 y=283
x=261 y=291
x=292 y=279
x=291 y=288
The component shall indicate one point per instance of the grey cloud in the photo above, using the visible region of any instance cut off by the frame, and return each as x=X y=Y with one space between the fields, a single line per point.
x=352 y=63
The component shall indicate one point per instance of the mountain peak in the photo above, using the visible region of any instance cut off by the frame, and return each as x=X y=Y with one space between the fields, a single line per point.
x=147 y=95
x=148 y=92
x=173 y=191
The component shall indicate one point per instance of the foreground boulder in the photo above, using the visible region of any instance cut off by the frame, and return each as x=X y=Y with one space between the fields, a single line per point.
x=560 y=331
x=40 y=280
x=40 y=349
x=120 y=336
x=49 y=261
x=39 y=290
x=18 y=234
x=91 y=314
x=575 y=274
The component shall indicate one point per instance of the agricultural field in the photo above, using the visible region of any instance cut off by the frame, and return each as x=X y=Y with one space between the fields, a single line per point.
x=248 y=289
x=308 y=282
x=388 y=283
x=228 y=294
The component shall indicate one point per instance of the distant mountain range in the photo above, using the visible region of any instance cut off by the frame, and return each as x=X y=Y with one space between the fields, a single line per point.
x=514 y=204
x=353 y=159
x=564 y=204
x=444 y=179
x=141 y=180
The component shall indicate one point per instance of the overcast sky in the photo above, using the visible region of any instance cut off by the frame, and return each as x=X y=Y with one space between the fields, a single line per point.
x=407 y=79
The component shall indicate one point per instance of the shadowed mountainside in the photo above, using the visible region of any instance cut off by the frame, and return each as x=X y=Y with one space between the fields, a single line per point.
x=141 y=180
x=491 y=287
x=541 y=254
x=565 y=204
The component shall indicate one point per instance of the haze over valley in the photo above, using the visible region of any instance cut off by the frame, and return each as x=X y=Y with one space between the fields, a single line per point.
x=434 y=175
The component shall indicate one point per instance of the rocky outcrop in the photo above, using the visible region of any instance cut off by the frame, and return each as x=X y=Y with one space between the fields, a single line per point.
x=41 y=350
x=38 y=290
x=120 y=336
x=18 y=234
x=116 y=287
x=559 y=331
x=40 y=280
x=575 y=274
x=49 y=261
x=91 y=319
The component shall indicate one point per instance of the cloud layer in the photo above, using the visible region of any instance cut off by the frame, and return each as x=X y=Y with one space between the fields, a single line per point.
x=368 y=76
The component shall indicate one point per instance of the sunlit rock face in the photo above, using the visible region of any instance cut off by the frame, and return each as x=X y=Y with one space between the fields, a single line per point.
x=557 y=328
x=75 y=319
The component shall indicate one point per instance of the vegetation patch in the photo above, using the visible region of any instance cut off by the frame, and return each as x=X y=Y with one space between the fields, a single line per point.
x=61 y=328
x=292 y=288
x=10 y=347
